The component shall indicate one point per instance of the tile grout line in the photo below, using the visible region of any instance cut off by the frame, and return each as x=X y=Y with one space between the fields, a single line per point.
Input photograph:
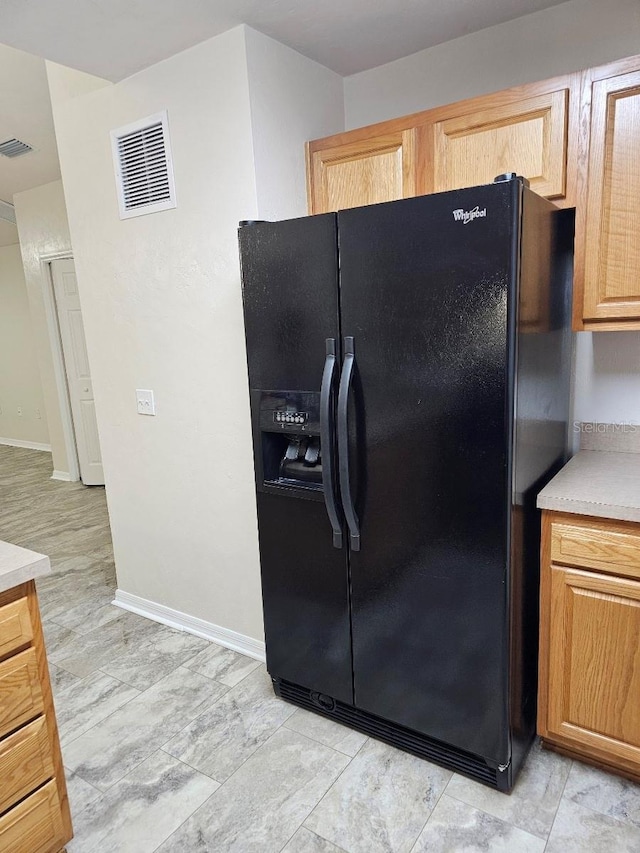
x=115 y=711
x=315 y=739
x=435 y=806
x=315 y=834
x=326 y=793
x=222 y=784
x=560 y=799
x=102 y=794
x=590 y=808
x=244 y=760
x=197 y=717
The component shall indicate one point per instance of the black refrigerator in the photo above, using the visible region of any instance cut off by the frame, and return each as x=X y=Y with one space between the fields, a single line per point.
x=409 y=382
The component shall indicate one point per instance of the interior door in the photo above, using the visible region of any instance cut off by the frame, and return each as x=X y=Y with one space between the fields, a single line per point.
x=78 y=374
x=424 y=293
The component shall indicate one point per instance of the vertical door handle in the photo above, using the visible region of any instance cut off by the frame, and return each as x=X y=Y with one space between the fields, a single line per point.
x=326 y=443
x=348 y=364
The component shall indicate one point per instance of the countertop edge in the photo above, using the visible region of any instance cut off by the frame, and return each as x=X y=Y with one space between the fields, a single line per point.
x=35 y=565
x=575 y=506
x=598 y=483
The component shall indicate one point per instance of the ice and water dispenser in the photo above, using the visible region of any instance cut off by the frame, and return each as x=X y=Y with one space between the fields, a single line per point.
x=289 y=454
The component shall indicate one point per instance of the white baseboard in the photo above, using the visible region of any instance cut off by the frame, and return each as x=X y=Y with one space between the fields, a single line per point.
x=191 y=624
x=28 y=445
x=61 y=475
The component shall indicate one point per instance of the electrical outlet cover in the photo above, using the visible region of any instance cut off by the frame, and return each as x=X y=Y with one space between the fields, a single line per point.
x=145 y=402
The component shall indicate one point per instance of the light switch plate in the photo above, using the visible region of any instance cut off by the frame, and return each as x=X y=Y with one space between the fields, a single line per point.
x=145 y=402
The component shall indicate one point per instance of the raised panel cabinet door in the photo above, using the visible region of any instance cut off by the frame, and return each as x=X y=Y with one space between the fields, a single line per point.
x=528 y=136
x=594 y=662
x=612 y=239
x=362 y=172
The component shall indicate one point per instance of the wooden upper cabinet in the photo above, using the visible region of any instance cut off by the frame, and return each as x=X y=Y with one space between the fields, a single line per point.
x=575 y=137
x=530 y=129
x=351 y=174
x=528 y=136
x=608 y=234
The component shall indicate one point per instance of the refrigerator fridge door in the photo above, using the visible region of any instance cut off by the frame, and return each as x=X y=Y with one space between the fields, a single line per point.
x=426 y=294
x=290 y=294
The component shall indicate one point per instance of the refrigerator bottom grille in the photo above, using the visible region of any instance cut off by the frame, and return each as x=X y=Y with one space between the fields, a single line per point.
x=396 y=735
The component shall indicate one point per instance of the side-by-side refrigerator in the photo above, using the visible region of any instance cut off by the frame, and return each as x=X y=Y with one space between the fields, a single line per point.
x=409 y=379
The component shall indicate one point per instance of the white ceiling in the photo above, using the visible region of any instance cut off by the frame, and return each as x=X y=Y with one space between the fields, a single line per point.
x=115 y=38
x=25 y=114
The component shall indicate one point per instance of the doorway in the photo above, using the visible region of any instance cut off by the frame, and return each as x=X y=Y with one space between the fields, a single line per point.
x=76 y=389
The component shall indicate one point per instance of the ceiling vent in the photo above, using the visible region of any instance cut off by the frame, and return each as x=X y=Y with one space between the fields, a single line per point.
x=7 y=212
x=14 y=148
x=144 y=172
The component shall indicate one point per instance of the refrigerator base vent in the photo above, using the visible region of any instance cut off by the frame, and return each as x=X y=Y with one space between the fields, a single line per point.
x=392 y=733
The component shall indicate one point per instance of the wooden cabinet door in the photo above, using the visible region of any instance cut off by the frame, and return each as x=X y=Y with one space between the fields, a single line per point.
x=610 y=238
x=594 y=662
x=361 y=172
x=528 y=136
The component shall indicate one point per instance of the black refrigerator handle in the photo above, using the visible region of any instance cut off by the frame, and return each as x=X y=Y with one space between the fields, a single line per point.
x=343 y=443
x=326 y=443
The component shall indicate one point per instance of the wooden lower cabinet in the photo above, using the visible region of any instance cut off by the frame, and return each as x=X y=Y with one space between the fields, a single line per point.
x=589 y=687
x=35 y=824
x=34 y=807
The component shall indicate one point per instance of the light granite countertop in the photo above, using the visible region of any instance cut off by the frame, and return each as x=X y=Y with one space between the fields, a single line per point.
x=596 y=482
x=19 y=565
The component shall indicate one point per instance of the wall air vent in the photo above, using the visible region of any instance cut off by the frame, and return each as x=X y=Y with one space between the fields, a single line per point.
x=14 y=148
x=144 y=171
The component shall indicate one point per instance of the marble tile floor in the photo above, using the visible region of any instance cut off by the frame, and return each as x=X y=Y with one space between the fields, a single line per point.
x=177 y=745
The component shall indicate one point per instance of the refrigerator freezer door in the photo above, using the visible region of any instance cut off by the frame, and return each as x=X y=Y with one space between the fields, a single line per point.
x=424 y=293
x=290 y=293
x=306 y=597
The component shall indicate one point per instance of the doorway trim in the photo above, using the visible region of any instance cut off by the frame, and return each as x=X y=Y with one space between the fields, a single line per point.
x=59 y=372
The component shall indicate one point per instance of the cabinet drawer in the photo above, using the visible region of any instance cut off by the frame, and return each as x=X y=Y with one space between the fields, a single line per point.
x=25 y=762
x=15 y=626
x=35 y=825
x=20 y=691
x=593 y=547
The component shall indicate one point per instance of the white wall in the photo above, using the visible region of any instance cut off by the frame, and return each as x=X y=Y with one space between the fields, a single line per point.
x=568 y=37
x=293 y=99
x=162 y=307
x=161 y=304
x=19 y=376
x=43 y=229
x=607 y=381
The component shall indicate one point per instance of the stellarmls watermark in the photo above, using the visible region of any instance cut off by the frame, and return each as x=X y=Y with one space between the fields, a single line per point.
x=594 y=427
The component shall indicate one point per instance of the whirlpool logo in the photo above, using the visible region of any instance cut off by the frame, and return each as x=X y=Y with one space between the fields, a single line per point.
x=467 y=216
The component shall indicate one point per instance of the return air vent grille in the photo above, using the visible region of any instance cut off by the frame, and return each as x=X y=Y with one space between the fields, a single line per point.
x=144 y=173
x=14 y=148
x=406 y=739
